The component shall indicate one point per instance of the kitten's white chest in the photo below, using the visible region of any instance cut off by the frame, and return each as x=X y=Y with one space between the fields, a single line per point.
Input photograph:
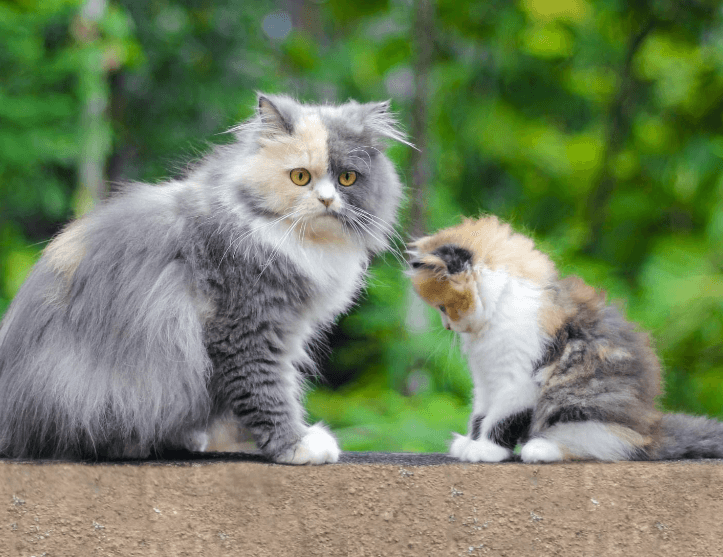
x=505 y=352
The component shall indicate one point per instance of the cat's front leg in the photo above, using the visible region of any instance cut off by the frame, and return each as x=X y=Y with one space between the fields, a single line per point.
x=492 y=438
x=475 y=448
x=265 y=396
x=317 y=446
x=468 y=449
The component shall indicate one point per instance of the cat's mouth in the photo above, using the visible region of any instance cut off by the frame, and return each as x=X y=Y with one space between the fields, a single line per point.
x=328 y=212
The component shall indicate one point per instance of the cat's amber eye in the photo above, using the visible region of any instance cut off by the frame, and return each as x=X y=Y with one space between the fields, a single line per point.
x=347 y=178
x=300 y=176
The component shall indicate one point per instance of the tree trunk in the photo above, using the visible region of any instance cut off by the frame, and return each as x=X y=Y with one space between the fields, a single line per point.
x=423 y=33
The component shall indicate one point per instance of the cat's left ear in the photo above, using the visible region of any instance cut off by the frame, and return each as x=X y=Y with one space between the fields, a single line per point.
x=273 y=121
x=382 y=122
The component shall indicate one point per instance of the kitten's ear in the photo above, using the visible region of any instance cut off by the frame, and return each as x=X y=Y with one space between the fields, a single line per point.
x=382 y=122
x=273 y=121
x=456 y=259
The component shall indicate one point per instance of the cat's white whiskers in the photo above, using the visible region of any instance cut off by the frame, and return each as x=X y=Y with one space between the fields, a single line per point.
x=353 y=226
x=369 y=167
x=388 y=227
x=364 y=219
x=276 y=251
x=391 y=248
x=235 y=243
x=364 y=147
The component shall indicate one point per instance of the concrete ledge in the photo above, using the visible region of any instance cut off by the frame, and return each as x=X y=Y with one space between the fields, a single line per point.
x=406 y=505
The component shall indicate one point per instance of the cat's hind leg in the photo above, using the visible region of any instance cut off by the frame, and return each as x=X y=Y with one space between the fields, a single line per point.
x=583 y=441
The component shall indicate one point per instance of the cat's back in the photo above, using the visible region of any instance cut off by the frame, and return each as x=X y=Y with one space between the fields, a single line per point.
x=595 y=358
x=101 y=315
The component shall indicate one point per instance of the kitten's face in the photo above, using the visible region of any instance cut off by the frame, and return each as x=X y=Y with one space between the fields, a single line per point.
x=462 y=271
x=323 y=168
x=444 y=278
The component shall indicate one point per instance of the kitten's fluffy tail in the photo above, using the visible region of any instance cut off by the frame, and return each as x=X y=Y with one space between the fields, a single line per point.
x=689 y=437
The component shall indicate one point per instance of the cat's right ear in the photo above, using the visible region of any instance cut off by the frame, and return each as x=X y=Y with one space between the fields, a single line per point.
x=456 y=259
x=273 y=123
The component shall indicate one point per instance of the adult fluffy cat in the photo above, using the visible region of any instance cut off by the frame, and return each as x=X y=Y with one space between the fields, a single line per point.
x=171 y=304
x=553 y=365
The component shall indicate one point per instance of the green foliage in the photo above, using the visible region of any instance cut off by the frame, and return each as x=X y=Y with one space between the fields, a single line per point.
x=594 y=125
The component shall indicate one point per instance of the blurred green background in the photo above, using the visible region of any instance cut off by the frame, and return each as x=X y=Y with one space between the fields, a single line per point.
x=595 y=126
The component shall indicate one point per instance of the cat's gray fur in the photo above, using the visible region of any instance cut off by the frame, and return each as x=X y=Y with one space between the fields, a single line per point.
x=166 y=306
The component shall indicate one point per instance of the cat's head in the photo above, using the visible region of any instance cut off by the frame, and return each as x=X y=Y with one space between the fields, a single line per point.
x=322 y=166
x=462 y=271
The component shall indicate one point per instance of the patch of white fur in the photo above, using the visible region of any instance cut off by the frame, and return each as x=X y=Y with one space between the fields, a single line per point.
x=541 y=450
x=482 y=450
x=324 y=190
x=197 y=440
x=508 y=342
x=586 y=440
x=336 y=271
x=318 y=446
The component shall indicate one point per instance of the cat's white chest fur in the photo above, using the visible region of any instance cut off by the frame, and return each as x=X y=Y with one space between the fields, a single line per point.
x=335 y=273
x=502 y=355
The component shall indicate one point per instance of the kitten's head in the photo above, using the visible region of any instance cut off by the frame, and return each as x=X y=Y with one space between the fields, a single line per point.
x=322 y=166
x=461 y=271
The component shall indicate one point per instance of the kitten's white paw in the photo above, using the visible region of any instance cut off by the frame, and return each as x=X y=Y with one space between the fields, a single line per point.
x=316 y=447
x=541 y=450
x=482 y=450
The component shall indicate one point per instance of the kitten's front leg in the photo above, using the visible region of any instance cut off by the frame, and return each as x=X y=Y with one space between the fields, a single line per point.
x=266 y=398
x=492 y=437
x=477 y=448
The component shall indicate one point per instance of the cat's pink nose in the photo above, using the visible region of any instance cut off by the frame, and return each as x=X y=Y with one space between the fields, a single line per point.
x=326 y=201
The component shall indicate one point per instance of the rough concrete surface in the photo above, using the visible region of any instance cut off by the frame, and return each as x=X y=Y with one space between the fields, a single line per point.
x=407 y=505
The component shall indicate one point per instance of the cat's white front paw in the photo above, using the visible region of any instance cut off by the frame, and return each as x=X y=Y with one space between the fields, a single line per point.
x=541 y=450
x=482 y=450
x=318 y=446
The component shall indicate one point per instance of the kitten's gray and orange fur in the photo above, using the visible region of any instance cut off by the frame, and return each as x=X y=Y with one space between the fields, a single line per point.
x=555 y=367
x=171 y=305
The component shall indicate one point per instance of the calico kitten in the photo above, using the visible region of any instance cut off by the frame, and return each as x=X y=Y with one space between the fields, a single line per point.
x=553 y=365
x=172 y=304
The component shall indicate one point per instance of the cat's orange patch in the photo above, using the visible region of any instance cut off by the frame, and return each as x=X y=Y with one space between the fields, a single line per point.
x=494 y=244
x=558 y=305
x=456 y=296
x=67 y=250
x=280 y=154
x=551 y=317
x=629 y=435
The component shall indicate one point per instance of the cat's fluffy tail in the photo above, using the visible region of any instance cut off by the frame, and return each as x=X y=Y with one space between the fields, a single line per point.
x=689 y=437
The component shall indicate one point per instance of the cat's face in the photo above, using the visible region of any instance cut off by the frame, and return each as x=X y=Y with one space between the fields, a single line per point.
x=323 y=168
x=444 y=278
x=463 y=271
